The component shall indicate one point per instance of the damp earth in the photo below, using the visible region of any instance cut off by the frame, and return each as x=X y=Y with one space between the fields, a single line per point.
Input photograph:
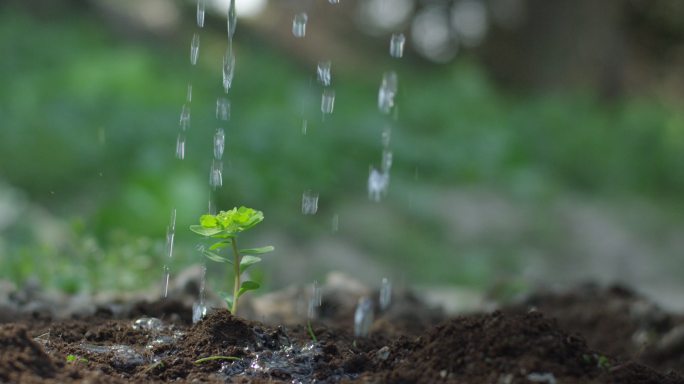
x=589 y=334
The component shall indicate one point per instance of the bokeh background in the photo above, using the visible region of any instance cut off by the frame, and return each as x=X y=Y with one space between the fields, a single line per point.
x=535 y=142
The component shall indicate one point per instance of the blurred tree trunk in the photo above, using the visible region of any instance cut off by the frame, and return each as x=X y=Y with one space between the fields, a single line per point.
x=562 y=43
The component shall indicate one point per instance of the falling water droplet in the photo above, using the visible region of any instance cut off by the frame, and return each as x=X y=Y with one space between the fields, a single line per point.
x=188 y=95
x=377 y=184
x=170 y=234
x=317 y=293
x=201 y=5
x=299 y=24
x=194 y=48
x=385 y=294
x=388 y=89
x=335 y=222
x=216 y=174
x=211 y=207
x=305 y=126
x=219 y=143
x=328 y=101
x=397 y=45
x=309 y=202
x=184 y=120
x=228 y=69
x=199 y=308
x=222 y=109
x=386 y=161
x=315 y=300
x=168 y=250
x=363 y=317
x=386 y=136
x=323 y=73
x=232 y=20
x=165 y=282
x=180 y=146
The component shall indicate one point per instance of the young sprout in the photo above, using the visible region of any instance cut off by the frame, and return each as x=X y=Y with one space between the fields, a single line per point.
x=226 y=226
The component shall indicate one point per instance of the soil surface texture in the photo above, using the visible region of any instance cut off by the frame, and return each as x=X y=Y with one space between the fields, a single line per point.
x=588 y=335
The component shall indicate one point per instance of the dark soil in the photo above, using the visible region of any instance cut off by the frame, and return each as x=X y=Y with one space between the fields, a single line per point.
x=590 y=335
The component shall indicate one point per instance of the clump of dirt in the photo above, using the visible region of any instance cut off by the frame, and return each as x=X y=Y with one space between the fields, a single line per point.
x=499 y=348
x=618 y=322
x=22 y=359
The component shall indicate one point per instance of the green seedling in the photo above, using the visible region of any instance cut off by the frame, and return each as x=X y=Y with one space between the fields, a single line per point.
x=75 y=359
x=226 y=226
x=311 y=331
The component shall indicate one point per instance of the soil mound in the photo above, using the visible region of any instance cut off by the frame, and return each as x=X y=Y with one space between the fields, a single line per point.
x=498 y=348
x=22 y=359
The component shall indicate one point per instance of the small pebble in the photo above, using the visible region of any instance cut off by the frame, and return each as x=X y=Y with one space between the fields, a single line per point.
x=383 y=353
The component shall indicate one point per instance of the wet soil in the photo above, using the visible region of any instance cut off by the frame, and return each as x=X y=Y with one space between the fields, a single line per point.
x=588 y=335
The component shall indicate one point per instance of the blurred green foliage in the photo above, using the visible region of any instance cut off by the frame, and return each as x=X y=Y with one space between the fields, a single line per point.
x=89 y=122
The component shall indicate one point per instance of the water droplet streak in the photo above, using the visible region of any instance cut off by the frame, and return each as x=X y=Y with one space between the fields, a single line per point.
x=385 y=298
x=305 y=126
x=386 y=136
x=166 y=280
x=219 y=144
x=228 y=69
x=299 y=25
x=231 y=20
x=328 y=101
x=199 y=308
x=378 y=182
x=397 y=45
x=201 y=7
x=216 y=174
x=323 y=73
x=309 y=202
x=184 y=119
x=222 y=109
x=194 y=48
x=335 y=223
x=363 y=317
x=387 y=92
x=386 y=165
x=314 y=301
x=168 y=251
x=170 y=234
x=180 y=146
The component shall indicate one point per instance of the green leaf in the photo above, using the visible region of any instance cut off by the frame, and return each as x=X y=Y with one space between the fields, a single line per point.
x=208 y=221
x=215 y=257
x=247 y=261
x=247 y=286
x=200 y=230
x=227 y=298
x=220 y=244
x=257 y=251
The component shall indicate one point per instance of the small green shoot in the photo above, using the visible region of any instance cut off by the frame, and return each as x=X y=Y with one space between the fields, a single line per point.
x=214 y=358
x=311 y=332
x=226 y=226
x=603 y=362
x=75 y=359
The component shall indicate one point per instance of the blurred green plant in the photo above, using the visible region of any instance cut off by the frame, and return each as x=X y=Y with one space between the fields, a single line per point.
x=103 y=111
